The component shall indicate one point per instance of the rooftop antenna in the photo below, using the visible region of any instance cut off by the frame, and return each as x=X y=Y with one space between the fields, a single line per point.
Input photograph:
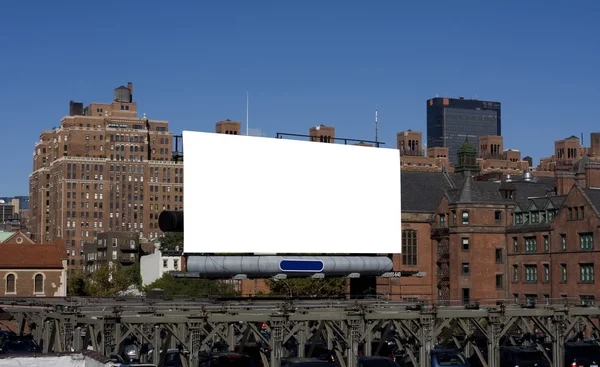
x=376 y=128
x=247 y=102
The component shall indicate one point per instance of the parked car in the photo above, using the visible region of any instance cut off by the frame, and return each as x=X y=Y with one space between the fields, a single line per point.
x=13 y=344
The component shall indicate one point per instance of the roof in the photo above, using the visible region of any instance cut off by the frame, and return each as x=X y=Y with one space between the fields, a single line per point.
x=422 y=191
x=28 y=256
x=5 y=235
x=15 y=237
x=594 y=196
x=579 y=166
x=467 y=147
x=532 y=189
x=478 y=192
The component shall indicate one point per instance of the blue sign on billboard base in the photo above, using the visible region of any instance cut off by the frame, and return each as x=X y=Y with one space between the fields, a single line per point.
x=300 y=265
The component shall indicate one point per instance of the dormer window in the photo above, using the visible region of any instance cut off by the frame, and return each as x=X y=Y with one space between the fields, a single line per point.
x=535 y=217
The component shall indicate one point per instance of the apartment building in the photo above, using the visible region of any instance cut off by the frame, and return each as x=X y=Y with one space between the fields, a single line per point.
x=103 y=169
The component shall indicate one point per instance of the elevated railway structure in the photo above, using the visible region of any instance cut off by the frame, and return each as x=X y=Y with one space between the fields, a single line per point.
x=196 y=325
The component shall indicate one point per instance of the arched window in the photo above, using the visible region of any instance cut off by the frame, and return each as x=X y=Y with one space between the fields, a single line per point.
x=10 y=283
x=38 y=284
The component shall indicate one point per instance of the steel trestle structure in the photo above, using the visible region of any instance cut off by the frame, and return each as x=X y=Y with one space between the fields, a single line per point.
x=194 y=326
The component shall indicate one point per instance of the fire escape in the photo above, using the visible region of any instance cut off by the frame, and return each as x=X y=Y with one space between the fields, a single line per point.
x=442 y=237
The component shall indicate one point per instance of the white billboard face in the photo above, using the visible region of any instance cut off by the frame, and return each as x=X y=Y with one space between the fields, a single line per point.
x=246 y=194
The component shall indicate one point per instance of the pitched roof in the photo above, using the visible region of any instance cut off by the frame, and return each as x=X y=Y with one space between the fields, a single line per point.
x=422 y=191
x=5 y=235
x=478 y=192
x=528 y=190
x=594 y=196
x=28 y=256
x=15 y=237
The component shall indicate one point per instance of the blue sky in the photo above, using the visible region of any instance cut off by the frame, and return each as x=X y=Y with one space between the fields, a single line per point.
x=303 y=62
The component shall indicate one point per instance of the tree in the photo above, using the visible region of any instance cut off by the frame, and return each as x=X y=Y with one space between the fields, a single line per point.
x=191 y=287
x=105 y=281
x=108 y=281
x=76 y=285
x=306 y=287
x=170 y=241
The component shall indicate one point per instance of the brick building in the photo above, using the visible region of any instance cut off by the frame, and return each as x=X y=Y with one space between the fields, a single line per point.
x=103 y=169
x=552 y=249
x=33 y=270
x=454 y=230
x=489 y=237
x=491 y=155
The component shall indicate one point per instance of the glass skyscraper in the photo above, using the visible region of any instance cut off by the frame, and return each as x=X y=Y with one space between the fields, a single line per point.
x=450 y=121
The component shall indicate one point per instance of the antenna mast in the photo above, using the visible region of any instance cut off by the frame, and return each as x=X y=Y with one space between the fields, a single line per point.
x=376 y=129
x=247 y=101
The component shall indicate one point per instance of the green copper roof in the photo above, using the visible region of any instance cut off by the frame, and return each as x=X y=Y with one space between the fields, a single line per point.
x=467 y=147
x=5 y=235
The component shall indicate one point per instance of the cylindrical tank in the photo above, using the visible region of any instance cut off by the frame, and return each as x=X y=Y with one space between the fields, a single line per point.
x=171 y=221
x=267 y=266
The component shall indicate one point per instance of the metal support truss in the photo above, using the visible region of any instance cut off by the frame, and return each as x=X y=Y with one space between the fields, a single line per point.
x=346 y=327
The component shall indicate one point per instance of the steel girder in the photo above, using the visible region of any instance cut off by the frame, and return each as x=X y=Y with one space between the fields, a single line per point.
x=345 y=326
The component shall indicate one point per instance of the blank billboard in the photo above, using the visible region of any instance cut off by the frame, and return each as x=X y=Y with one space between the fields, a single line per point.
x=245 y=194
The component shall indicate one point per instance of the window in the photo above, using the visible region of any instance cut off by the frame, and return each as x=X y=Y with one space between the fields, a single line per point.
x=454 y=217
x=546 y=244
x=38 y=284
x=535 y=217
x=165 y=263
x=498 y=256
x=530 y=244
x=563 y=242
x=499 y=281
x=465 y=217
x=531 y=299
x=10 y=283
x=546 y=273
x=466 y=296
x=465 y=244
x=586 y=273
x=515 y=273
x=587 y=300
x=175 y=263
x=515 y=244
x=498 y=215
x=530 y=273
x=581 y=210
x=563 y=273
x=586 y=241
x=519 y=218
x=442 y=220
x=409 y=247
x=465 y=268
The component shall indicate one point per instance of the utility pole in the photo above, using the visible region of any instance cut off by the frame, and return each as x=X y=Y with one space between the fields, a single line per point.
x=376 y=129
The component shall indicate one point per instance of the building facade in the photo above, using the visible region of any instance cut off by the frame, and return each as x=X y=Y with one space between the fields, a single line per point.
x=155 y=265
x=111 y=247
x=450 y=121
x=33 y=270
x=103 y=169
